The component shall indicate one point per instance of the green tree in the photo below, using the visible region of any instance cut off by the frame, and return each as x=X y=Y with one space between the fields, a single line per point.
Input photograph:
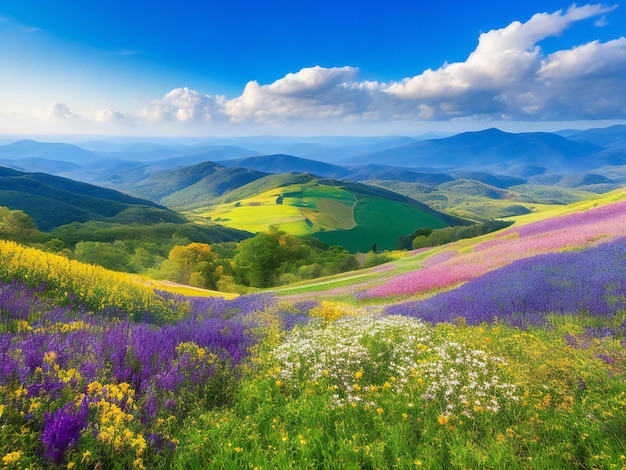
x=195 y=264
x=109 y=255
x=261 y=260
x=18 y=226
x=141 y=260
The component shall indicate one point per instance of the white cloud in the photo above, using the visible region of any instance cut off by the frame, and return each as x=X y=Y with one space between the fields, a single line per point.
x=311 y=82
x=59 y=112
x=500 y=78
x=586 y=80
x=183 y=104
x=591 y=59
x=108 y=115
x=506 y=77
x=311 y=93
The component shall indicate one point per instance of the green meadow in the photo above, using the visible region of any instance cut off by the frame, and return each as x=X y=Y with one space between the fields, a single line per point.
x=380 y=222
x=332 y=214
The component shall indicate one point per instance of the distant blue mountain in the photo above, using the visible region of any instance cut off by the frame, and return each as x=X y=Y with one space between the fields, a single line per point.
x=490 y=150
x=614 y=136
x=287 y=163
x=50 y=151
x=43 y=165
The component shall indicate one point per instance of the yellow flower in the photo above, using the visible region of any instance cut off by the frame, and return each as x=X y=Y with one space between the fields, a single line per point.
x=279 y=383
x=379 y=410
x=12 y=457
x=405 y=416
x=86 y=456
x=358 y=374
x=34 y=406
x=442 y=419
x=50 y=357
x=71 y=465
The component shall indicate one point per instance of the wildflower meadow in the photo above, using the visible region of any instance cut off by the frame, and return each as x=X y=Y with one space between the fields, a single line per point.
x=512 y=355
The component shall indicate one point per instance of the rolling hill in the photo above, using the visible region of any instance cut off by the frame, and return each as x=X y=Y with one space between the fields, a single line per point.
x=182 y=186
x=613 y=136
x=351 y=215
x=53 y=201
x=475 y=175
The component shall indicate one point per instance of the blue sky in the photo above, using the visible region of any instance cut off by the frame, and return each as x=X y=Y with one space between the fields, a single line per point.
x=308 y=67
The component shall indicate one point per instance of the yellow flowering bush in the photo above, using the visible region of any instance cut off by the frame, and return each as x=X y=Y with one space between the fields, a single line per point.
x=95 y=286
x=331 y=311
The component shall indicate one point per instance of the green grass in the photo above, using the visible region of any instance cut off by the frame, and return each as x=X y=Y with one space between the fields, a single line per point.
x=336 y=216
x=352 y=282
x=380 y=222
x=544 y=212
x=390 y=401
x=465 y=199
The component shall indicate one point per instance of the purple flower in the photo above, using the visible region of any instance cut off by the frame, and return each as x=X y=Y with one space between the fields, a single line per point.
x=525 y=291
x=62 y=430
x=605 y=358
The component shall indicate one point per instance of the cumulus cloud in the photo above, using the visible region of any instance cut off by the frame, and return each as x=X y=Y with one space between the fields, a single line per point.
x=184 y=104
x=589 y=79
x=311 y=93
x=505 y=76
x=108 y=115
x=60 y=112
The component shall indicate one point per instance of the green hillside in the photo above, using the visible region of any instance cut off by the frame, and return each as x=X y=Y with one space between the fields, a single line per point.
x=72 y=212
x=482 y=202
x=187 y=185
x=53 y=201
x=351 y=215
x=211 y=186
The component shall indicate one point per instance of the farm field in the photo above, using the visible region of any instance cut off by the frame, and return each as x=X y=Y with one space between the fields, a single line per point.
x=298 y=209
x=334 y=215
x=505 y=351
x=379 y=223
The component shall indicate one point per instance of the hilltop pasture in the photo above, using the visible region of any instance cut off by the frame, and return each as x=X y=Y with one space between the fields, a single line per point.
x=335 y=215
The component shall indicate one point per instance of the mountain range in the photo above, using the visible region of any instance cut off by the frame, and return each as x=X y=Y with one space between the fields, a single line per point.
x=472 y=175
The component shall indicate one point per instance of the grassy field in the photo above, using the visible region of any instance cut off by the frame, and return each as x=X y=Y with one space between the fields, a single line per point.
x=380 y=223
x=492 y=203
x=256 y=214
x=335 y=215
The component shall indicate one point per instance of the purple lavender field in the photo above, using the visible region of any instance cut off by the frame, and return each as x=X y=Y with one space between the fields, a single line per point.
x=591 y=282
